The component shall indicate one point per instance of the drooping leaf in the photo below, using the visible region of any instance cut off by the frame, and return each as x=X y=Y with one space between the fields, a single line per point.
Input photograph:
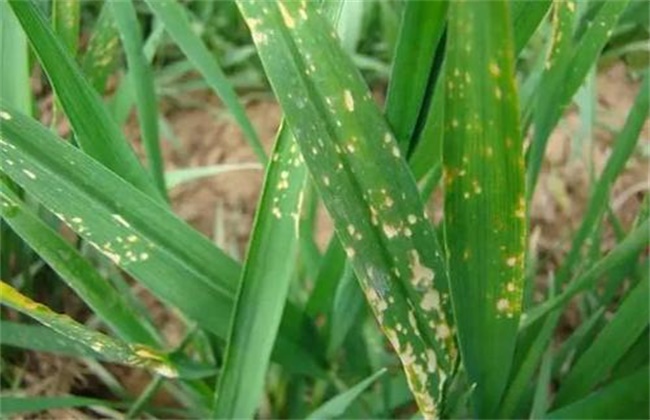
x=111 y=349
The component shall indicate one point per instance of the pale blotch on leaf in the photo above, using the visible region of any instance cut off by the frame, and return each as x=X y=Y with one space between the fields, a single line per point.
x=286 y=17
x=29 y=174
x=349 y=100
x=422 y=276
x=511 y=261
x=121 y=220
x=390 y=231
x=5 y=115
x=430 y=300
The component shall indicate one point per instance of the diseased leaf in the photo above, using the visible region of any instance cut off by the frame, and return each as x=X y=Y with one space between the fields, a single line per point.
x=485 y=203
x=374 y=202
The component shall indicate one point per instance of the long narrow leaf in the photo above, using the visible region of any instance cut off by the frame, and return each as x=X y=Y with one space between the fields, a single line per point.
x=264 y=284
x=141 y=78
x=623 y=148
x=177 y=24
x=632 y=245
x=336 y=406
x=136 y=233
x=485 y=210
x=422 y=28
x=614 y=340
x=607 y=403
x=564 y=76
x=365 y=184
x=111 y=349
x=79 y=274
x=97 y=133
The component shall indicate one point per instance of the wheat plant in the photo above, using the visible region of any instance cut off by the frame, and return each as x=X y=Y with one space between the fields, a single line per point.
x=475 y=89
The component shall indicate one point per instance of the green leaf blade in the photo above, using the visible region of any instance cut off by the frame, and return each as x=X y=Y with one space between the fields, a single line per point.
x=365 y=184
x=142 y=81
x=485 y=207
x=137 y=234
x=177 y=24
x=110 y=348
x=265 y=282
x=97 y=133
x=78 y=273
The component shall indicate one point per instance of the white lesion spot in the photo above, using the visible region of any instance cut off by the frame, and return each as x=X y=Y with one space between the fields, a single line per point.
x=5 y=115
x=76 y=220
x=503 y=305
x=387 y=138
x=494 y=69
x=283 y=184
x=349 y=251
x=412 y=219
x=432 y=361
x=430 y=300
x=326 y=181
x=497 y=93
x=511 y=261
x=350 y=147
x=510 y=287
x=396 y=152
x=390 y=231
x=286 y=17
x=442 y=331
x=422 y=276
x=29 y=174
x=121 y=220
x=276 y=212
x=349 y=100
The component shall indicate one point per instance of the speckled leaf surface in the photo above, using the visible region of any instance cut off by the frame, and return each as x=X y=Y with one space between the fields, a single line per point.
x=485 y=210
x=105 y=301
x=134 y=232
x=365 y=184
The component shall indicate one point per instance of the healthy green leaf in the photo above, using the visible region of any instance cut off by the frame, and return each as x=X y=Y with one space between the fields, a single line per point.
x=614 y=340
x=623 y=148
x=421 y=30
x=336 y=407
x=141 y=78
x=365 y=184
x=485 y=203
x=625 y=398
x=39 y=338
x=526 y=18
x=181 y=176
x=177 y=24
x=97 y=133
x=632 y=245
